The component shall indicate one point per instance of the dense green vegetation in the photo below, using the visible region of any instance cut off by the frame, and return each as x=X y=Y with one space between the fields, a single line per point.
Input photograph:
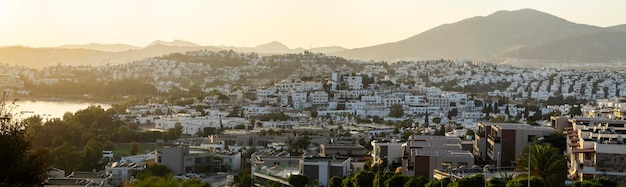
x=215 y=59
x=161 y=176
x=82 y=136
x=22 y=165
x=546 y=162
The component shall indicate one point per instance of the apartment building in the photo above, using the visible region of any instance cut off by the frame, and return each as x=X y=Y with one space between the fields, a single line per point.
x=422 y=154
x=180 y=159
x=387 y=150
x=323 y=168
x=597 y=148
x=274 y=166
x=501 y=143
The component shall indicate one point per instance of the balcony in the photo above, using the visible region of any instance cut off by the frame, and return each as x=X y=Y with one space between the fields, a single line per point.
x=493 y=139
x=588 y=167
x=480 y=134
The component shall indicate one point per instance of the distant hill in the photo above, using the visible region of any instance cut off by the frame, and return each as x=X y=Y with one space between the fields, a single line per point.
x=177 y=43
x=100 y=54
x=618 y=27
x=601 y=46
x=276 y=47
x=331 y=49
x=101 y=47
x=44 y=57
x=476 y=38
x=272 y=47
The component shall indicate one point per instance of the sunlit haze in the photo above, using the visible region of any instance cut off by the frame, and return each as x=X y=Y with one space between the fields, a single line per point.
x=249 y=23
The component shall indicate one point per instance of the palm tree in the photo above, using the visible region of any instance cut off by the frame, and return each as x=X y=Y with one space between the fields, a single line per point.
x=546 y=162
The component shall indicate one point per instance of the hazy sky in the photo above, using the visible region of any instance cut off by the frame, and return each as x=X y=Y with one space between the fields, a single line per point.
x=347 y=23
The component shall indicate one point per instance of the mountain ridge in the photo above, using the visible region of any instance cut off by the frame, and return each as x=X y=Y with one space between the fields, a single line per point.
x=524 y=33
x=478 y=37
x=176 y=42
x=100 y=47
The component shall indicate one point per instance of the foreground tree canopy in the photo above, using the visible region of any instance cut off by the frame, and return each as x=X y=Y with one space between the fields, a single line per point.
x=20 y=164
x=546 y=162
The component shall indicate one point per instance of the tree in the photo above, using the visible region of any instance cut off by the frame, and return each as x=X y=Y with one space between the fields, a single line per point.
x=335 y=181
x=453 y=113
x=473 y=181
x=300 y=145
x=437 y=120
x=441 y=131
x=419 y=181
x=396 y=180
x=347 y=182
x=495 y=182
x=298 y=180
x=156 y=181
x=546 y=162
x=438 y=182
x=381 y=177
x=156 y=170
x=93 y=155
x=523 y=182
x=21 y=165
x=246 y=180
x=575 y=110
x=65 y=156
x=174 y=133
x=194 y=183
x=169 y=180
x=597 y=182
x=396 y=111
x=497 y=119
x=124 y=134
x=557 y=140
x=363 y=179
x=134 y=148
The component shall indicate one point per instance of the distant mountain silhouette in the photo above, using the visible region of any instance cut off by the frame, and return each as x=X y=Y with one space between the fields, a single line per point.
x=519 y=34
x=100 y=54
x=177 y=43
x=276 y=47
x=272 y=47
x=101 y=47
x=476 y=38
x=44 y=57
x=331 y=49
x=601 y=46
x=621 y=27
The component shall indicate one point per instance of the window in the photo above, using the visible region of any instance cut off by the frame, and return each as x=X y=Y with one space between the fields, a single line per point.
x=462 y=164
x=446 y=165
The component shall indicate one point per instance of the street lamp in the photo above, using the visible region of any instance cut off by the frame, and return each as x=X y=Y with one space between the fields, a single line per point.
x=532 y=142
x=378 y=172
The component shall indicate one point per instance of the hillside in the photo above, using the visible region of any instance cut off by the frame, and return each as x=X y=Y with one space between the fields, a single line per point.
x=101 y=47
x=175 y=43
x=477 y=37
x=43 y=57
x=602 y=46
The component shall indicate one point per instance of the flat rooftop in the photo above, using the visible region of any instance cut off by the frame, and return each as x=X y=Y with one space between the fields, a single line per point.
x=324 y=159
x=442 y=153
x=602 y=120
x=520 y=126
x=434 y=138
